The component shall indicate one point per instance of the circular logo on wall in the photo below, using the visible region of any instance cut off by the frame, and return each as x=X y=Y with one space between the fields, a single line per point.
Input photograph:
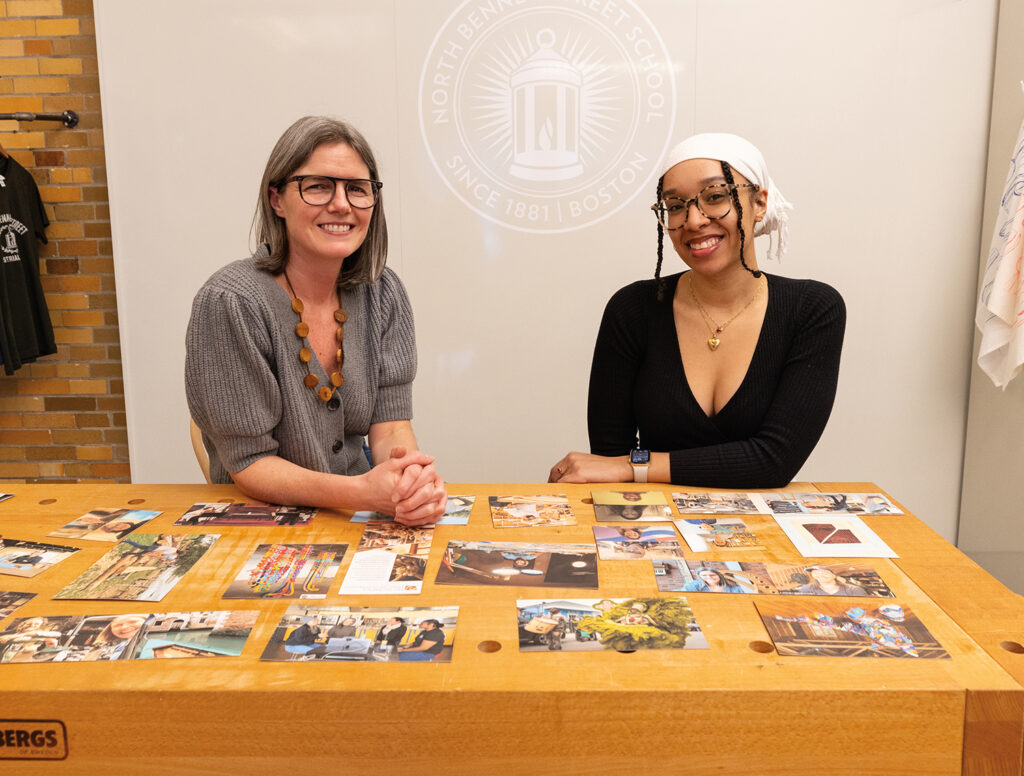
x=547 y=117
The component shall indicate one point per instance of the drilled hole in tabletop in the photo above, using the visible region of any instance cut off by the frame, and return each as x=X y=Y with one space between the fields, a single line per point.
x=586 y=500
x=761 y=646
x=1012 y=646
x=489 y=646
x=137 y=501
x=626 y=651
x=48 y=501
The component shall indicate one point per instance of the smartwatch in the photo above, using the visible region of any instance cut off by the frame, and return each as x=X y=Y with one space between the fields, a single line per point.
x=640 y=460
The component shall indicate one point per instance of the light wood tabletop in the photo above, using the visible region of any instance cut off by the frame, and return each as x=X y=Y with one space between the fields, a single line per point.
x=735 y=708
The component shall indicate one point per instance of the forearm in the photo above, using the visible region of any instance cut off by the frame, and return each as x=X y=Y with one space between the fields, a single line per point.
x=384 y=437
x=277 y=481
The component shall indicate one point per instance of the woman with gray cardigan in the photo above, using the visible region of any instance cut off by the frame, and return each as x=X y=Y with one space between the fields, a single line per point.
x=297 y=353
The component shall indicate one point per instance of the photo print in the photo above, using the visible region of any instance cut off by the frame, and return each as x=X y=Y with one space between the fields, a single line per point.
x=718 y=576
x=830 y=503
x=595 y=625
x=221 y=514
x=829 y=628
x=614 y=506
x=390 y=559
x=521 y=565
x=637 y=542
x=456 y=512
x=142 y=568
x=530 y=511
x=288 y=571
x=395 y=634
x=73 y=639
x=105 y=525
x=718 y=504
x=10 y=600
x=22 y=558
x=833 y=536
x=718 y=533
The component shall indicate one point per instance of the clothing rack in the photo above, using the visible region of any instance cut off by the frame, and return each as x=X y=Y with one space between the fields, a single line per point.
x=68 y=117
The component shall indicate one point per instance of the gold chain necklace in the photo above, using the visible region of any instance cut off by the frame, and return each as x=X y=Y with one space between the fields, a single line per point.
x=306 y=353
x=715 y=328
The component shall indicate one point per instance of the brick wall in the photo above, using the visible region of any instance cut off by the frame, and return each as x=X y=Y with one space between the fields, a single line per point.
x=62 y=417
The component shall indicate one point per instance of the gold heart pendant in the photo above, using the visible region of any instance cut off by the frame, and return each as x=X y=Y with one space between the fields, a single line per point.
x=713 y=343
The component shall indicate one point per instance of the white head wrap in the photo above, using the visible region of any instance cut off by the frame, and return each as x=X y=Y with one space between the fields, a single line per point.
x=743 y=157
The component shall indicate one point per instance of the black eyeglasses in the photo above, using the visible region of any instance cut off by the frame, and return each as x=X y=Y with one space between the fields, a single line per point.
x=320 y=189
x=713 y=202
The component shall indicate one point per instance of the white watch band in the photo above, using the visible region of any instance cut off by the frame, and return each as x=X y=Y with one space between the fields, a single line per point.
x=639 y=472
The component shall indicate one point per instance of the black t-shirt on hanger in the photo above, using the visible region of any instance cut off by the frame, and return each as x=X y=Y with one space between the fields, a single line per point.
x=25 y=329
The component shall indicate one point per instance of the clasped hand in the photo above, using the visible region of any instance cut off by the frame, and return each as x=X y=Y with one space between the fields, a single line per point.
x=407 y=486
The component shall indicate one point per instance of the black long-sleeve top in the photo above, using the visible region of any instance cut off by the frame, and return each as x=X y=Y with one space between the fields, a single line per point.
x=764 y=433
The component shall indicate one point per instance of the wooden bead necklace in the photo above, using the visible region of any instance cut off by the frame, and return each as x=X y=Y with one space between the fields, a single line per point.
x=306 y=353
x=714 y=328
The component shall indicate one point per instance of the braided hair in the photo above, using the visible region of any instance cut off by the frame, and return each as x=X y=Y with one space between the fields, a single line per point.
x=661 y=244
x=727 y=172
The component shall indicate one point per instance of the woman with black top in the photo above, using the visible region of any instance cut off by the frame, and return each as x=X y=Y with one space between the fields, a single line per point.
x=721 y=376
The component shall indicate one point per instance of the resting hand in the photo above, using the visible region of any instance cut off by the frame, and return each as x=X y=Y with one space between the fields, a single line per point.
x=382 y=481
x=420 y=496
x=584 y=467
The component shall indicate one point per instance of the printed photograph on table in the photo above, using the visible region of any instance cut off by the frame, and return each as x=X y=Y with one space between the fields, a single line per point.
x=521 y=565
x=830 y=503
x=637 y=542
x=395 y=634
x=718 y=533
x=105 y=525
x=219 y=514
x=595 y=625
x=288 y=571
x=825 y=628
x=142 y=568
x=10 y=600
x=833 y=536
x=613 y=506
x=717 y=504
x=22 y=558
x=530 y=511
x=720 y=576
x=74 y=639
x=390 y=559
x=456 y=512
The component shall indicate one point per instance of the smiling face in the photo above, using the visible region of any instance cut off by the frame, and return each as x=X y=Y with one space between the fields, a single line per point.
x=126 y=626
x=711 y=577
x=711 y=246
x=324 y=232
x=823 y=576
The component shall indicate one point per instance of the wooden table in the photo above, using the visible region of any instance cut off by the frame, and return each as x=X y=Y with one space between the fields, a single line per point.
x=731 y=709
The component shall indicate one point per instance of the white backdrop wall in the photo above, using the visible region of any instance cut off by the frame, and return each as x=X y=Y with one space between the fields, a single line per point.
x=873 y=118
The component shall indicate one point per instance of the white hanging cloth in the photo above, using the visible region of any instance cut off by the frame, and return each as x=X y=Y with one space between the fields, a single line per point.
x=1000 y=313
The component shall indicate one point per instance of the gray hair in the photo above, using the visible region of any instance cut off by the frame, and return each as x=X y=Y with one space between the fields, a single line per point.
x=292 y=150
